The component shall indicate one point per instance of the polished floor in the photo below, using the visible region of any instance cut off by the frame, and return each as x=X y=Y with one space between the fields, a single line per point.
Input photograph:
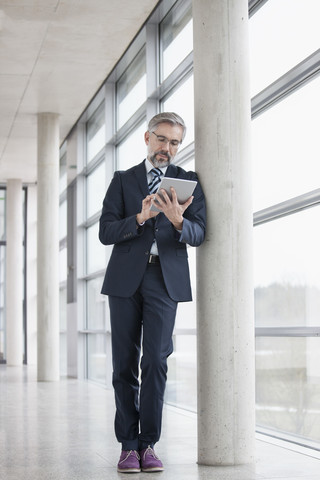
x=64 y=430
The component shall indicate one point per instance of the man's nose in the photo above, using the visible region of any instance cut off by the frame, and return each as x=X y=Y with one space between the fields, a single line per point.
x=166 y=145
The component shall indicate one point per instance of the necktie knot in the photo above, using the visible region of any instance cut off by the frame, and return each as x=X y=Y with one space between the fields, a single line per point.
x=157 y=174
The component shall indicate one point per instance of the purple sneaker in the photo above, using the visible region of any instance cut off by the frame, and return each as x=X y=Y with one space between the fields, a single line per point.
x=149 y=461
x=129 y=462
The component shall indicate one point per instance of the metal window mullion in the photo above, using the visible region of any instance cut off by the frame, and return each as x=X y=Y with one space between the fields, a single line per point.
x=254 y=5
x=287 y=331
x=285 y=85
x=176 y=78
x=288 y=207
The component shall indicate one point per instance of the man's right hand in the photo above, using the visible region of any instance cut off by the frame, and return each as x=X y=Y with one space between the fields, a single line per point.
x=146 y=213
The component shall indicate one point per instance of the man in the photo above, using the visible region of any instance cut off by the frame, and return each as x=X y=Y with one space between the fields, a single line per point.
x=146 y=277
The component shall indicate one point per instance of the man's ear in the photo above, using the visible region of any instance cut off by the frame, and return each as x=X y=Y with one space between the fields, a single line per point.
x=147 y=137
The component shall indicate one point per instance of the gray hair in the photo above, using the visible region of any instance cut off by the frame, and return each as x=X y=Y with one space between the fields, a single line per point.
x=167 y=117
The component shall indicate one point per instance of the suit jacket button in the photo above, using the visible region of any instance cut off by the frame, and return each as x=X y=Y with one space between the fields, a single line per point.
x=146 y=253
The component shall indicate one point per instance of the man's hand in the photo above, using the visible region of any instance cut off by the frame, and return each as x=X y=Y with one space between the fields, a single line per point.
x=146 y=213
x=171 y=208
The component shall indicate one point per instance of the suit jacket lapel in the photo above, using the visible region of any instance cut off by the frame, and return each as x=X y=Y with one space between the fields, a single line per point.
x=140 y=174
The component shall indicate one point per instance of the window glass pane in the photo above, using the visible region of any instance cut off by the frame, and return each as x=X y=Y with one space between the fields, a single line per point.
x=287 y=270
x=63 y=220
x=63 y=353
x=283 y=33
x=96 y=133
x=133 y=149
x=97 y=254
x=186 y=313
x=2 y=214
x=181 y=389
x=97 y=359
x=132 y=88
x=63 y=328
x=288 y=385
x=176 y=37
x=63 y=265
x=96 y=189
x=63 y=309
x=189 y=165
x=63 y=174
x=97 y=308
x=2 y=297
x=286 y=148
x=181 y=102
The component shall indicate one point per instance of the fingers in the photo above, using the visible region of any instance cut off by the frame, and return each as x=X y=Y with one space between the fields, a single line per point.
x=163 y=197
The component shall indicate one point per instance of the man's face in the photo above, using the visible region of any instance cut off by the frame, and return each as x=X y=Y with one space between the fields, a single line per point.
x=163 y=144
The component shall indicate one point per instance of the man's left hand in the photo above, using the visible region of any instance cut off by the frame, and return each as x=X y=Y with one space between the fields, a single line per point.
x=171 y=207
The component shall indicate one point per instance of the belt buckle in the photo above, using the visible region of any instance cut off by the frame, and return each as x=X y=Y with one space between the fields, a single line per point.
x=153 y=258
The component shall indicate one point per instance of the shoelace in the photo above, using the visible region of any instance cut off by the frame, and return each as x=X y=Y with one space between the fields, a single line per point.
x=129 y=453
x=150 y=451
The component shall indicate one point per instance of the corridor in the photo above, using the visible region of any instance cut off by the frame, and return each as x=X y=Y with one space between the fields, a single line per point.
x=64 y=431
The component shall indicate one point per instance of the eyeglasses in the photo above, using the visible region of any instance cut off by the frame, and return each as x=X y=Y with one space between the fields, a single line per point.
x=164 y=140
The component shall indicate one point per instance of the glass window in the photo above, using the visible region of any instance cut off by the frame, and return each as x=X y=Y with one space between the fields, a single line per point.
x=63 y=265
x=2 y=300
x=295 y=35
x=181 y=102
x=287 y=270
x=189 y=165
x=63 y=328
x=96 y=133
x=63 y=309
x=63 y=174
x=97 y=358
x=97 y=254
x=2 y=214
x=176 y=37
x=181 y=389
x=96 y=189
x=286 y=148
x=132 y=88
x=288 y=385
x=63 y=219
x=133 y=149
x=97 y=309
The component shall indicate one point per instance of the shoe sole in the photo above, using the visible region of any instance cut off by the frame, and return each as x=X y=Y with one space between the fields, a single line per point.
x=152 y=469
x=129 y=470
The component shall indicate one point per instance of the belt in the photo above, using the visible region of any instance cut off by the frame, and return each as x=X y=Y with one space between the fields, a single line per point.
x=154 y=259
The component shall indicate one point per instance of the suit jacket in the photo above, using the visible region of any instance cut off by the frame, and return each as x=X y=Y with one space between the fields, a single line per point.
x=132 y=244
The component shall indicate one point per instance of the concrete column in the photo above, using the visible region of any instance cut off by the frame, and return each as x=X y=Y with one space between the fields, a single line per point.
x=48 y=247
x=14 y=273
x=225 y=287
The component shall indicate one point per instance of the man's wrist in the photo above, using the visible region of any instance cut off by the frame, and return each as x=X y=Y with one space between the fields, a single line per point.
x=178 y=225
x=140 y=220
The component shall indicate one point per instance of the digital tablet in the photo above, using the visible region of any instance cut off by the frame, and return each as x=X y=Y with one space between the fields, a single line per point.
x=184 y=189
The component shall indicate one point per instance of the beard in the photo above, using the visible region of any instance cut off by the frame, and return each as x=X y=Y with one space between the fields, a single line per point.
x=160 y=163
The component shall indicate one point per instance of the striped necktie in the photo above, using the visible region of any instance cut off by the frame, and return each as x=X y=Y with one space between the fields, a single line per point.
x=157 y=175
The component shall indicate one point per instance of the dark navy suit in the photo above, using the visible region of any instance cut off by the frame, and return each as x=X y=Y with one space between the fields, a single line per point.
x=143 y=297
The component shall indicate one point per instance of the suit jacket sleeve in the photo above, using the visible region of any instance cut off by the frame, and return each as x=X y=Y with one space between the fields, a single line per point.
x=194 y=223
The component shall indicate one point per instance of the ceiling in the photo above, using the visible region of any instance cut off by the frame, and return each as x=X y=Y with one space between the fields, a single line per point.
x=54 y=56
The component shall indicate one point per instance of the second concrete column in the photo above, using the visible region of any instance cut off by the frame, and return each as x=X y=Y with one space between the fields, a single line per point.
x=48 y=247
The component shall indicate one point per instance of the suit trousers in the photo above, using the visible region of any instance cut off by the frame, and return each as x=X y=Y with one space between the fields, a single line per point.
x=144 y=322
